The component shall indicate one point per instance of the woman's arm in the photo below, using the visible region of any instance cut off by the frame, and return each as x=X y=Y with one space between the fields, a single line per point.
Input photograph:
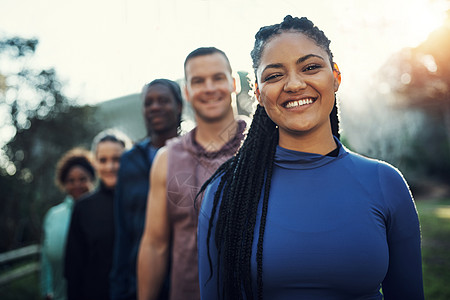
x=46 y=273
x=404 y=276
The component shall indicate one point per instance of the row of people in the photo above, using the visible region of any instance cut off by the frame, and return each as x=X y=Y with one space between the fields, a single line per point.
x=285 y=213
x=81 y=242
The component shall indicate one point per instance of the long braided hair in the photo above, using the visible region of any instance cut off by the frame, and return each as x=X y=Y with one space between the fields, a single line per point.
x=246 y=178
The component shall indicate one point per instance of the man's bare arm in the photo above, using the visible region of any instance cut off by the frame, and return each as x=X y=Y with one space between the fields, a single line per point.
x=154 y=249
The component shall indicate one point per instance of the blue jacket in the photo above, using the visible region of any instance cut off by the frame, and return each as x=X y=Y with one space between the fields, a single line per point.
x=130 y=203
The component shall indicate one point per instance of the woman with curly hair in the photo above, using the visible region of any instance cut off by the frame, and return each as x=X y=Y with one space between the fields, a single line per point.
x=75 y=175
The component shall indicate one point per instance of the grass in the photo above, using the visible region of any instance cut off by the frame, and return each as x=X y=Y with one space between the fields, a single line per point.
x=25 y=288
x=434 y=217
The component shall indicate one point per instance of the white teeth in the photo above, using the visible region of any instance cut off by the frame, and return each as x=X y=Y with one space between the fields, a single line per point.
x=299 y=103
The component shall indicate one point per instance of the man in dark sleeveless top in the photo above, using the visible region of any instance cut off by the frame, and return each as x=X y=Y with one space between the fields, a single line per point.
x=179 y=170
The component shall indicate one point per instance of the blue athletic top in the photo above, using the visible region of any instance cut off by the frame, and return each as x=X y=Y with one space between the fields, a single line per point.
x=337 y=228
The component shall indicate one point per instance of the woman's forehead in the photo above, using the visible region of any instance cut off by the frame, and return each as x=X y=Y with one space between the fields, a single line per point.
x=290 y=44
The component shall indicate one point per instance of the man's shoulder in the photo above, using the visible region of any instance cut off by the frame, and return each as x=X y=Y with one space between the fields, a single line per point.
x=137 y=150
x=179 y=141
x=138 y=146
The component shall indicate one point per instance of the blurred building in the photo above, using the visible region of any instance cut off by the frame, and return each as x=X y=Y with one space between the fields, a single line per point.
x=125 y=114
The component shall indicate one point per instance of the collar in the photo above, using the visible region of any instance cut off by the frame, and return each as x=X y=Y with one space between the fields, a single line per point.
x=290 y=159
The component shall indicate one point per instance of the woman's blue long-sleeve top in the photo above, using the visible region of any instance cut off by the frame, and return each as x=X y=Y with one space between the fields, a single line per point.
x=337 y=228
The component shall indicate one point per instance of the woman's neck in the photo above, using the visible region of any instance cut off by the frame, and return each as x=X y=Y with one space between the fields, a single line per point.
x=312 y=142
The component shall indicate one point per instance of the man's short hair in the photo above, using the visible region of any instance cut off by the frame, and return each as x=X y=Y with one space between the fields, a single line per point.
x=205 y=51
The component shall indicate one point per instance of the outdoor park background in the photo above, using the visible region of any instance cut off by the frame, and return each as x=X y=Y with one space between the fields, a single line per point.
x=68 y=71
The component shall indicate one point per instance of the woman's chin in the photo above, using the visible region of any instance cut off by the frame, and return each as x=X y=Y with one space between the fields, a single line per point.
x=109 y=183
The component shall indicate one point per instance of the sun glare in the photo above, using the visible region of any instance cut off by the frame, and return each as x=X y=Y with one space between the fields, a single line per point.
x=423 y=18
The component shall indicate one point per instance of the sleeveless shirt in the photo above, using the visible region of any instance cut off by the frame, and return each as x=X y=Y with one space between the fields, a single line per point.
x=189 y=166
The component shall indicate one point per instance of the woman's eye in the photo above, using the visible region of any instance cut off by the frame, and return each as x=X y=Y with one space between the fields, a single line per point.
x=272 y=77
x=312 y=67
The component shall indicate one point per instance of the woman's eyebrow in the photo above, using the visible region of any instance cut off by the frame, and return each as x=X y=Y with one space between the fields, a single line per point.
x=274 y=66
x=308 y=56
x=299 y=61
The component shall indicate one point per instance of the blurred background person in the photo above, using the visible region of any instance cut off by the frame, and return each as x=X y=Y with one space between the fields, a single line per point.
x=89 y=248
x=162 y=107
x=75 y=176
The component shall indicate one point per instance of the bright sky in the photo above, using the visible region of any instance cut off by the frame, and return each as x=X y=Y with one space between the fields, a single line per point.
x=105 y=49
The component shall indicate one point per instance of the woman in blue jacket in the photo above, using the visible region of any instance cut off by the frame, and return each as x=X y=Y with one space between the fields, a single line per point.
x=296 y=215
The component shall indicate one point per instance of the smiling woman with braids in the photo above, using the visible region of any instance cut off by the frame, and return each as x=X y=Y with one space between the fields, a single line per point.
x=296 y=215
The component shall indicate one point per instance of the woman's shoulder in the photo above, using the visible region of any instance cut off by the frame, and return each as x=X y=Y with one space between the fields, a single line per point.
x=59 y=208
x=364 y=162
x=388 y=176
x=58 y=212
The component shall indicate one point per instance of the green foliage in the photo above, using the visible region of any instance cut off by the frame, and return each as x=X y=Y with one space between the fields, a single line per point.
x=18 y=46
x=45 y=124
x=26 y=288
x=245 y=101
x=435 y=223
x=427 y=70
x=406 y=119
x=422 y=82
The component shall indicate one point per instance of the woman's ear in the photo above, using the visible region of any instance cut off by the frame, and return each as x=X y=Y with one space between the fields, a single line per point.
x=258 y=93
x=337 y=77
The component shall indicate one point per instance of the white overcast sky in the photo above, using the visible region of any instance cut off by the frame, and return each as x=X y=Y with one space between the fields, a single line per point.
x=105 y=49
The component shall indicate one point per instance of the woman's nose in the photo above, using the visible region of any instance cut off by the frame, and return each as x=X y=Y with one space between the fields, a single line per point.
x=294 y=83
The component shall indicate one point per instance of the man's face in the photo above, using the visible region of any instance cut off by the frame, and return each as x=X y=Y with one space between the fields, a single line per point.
x=209 y=85
x=161 y=110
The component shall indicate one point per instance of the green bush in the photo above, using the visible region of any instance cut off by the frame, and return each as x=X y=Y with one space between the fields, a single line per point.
x=435 y=222
x=26 y=288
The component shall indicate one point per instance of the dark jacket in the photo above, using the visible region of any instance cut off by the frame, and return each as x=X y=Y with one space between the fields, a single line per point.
x=130 y=204
x=89 y=246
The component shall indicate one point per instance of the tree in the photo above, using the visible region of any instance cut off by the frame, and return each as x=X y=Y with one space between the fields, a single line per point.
x=424 y=77
x=42 y=124
x=418 y=80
